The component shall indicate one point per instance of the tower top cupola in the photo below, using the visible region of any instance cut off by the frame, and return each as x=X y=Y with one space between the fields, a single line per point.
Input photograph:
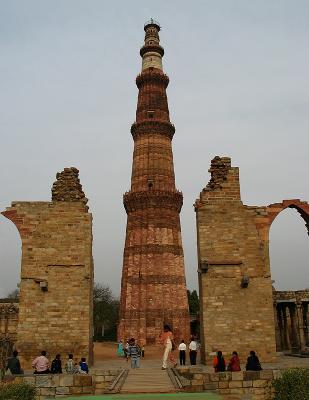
x=152 y=52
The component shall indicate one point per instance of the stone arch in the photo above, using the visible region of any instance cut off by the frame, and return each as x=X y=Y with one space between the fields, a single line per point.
x=301 y=206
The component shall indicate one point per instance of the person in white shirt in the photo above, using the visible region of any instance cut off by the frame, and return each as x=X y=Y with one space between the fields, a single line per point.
x=182 y=352
x=193 y=351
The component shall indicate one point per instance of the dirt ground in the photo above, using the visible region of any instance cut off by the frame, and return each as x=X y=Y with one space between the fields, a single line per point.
x=105 y=356
x=104 y=351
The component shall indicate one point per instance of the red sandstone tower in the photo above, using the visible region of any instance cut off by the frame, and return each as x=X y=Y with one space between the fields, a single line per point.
x=153 y=286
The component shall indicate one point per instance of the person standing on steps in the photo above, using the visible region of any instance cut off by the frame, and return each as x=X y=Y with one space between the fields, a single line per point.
x=167 y=339
x=134 y=352
x=193 y=351
x=182 y=352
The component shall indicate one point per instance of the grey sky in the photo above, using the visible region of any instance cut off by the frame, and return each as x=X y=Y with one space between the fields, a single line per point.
x=238 y=87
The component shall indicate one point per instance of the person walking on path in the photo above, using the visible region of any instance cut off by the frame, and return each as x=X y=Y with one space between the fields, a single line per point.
x=219 y=362
x=134 y=352
x=182 y=352
x=167 y=338
x=253 y=362
x=193 y=351
x=13 y=364
x=120 y=352
x=41 y=364
x=56 y=367
x=234 y=364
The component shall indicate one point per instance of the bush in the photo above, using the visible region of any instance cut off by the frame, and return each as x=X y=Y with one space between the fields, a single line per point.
x=293 y=385
x=17 y=391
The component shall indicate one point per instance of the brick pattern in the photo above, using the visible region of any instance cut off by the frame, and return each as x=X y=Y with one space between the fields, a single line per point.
x=232 y=247
x=55 y=386
x=249 y=385
x=55 y=305
x=153 y=287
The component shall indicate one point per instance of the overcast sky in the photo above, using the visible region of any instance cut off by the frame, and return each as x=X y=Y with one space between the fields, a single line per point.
x=238 y=87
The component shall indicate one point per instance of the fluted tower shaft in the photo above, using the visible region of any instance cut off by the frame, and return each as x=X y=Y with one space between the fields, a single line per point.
x=153 y=286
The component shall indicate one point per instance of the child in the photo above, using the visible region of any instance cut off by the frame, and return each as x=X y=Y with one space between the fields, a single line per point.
x=56 y=367
x=69 y=366
x=83 y=366
x=134 y=352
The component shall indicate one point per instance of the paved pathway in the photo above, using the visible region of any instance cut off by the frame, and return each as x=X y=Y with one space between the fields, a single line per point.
x=170 y=396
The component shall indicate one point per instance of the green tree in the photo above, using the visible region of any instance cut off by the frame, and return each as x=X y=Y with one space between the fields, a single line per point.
x=105 y=313
x=193 y=300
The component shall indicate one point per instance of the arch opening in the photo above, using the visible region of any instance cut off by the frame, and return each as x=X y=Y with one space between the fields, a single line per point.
x=289 y=255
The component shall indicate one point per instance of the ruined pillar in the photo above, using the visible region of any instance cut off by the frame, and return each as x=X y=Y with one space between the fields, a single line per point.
x=236 y=297
x=55 y=303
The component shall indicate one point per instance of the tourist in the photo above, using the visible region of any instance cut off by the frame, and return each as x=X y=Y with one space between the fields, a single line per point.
x=219 y=362
x=134 y=352
x=56 y=367
x=126 y=349
x=13 y=364
x=253 y=362
x=193 y=351
x=182 y=352
x=120 y=352
x=234 y=364
x=143 y=350
x=41 y=364
x=69 y=366
x=167 y=339
x=83 y=366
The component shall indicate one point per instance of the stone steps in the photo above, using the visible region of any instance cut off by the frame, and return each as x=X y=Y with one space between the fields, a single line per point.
x=147 y=381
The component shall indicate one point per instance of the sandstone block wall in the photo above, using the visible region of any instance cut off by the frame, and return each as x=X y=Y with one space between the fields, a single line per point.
x=55 y=386
x=243 y=385
x=234 y=274
x=55 y=305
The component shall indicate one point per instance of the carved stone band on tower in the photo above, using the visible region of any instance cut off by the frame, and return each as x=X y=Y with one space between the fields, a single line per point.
x=153 y=286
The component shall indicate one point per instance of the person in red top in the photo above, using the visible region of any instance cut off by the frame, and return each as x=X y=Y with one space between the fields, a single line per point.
x=219 y=362
x=234 y=364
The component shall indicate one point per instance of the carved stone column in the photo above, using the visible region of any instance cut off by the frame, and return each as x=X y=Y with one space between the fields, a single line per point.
x=300 y=321
x=286 y=328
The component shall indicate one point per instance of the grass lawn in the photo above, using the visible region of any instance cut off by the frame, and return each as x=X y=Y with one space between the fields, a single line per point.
x=151 y=396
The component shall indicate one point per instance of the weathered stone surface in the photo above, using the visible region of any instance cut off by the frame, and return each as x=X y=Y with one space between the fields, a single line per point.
x=55 y=303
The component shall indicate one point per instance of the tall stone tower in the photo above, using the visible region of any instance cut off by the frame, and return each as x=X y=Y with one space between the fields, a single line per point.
x=153 y=286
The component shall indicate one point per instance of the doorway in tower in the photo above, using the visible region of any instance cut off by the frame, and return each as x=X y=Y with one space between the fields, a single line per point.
x=289 y=255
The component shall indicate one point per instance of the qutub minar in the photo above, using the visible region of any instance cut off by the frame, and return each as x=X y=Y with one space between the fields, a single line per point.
x=153 y=286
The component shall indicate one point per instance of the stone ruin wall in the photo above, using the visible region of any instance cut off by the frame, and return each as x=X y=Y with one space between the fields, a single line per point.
x=231 y=251
x=236 y=296
x=55 y=303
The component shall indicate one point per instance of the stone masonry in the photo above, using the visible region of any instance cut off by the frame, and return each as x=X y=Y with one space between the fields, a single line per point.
x=55 y=304
x=153 y=286
x=234 y=272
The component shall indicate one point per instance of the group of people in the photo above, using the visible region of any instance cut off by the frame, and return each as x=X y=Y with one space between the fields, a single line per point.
x=219 y=364
x=41 y=365
x=167 y=339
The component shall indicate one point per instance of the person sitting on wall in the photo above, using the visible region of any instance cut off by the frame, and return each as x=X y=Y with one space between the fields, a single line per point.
x=56 y=367
x=253 y=362
x=83 y=366
x=219 y=362
x=234 y=364
x=69 y=366
x=41 y=364
x=13 y=364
